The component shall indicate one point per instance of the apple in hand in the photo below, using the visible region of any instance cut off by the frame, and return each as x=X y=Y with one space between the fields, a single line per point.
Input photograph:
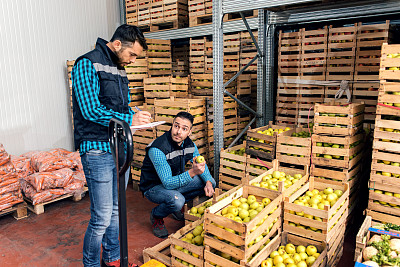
x=200 y=159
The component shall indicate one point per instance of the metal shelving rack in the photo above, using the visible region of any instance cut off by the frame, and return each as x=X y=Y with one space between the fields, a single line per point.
x=271 y=14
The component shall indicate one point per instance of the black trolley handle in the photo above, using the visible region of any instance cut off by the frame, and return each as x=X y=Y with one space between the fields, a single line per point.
x=120 y=132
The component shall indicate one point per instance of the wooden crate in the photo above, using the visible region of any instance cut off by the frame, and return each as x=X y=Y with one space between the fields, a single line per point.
x=277 y=166
x=308 y=96
x=239 y=241
x=341 y=53
x=334 y=173
x=376 y=199
x=245 y=58
x=382 y=217
x=335 y=250
x=369 y=42
x=384 y=169
x=256 y=167
x=386 y=134
x=244 y=84
x=330 y=92
x=137 y=70
x=135 y=173
x=165 y=87
x=289 y=53
x=159 y=66
x=388 y=98
x=192 y=249
x=246 y=42
x=231 y=63
x=198 y=46
x=291 y=149
x=352 y=116
x=196 y=7
x=180 y=68
x=144 y=12
x=314 y=54
x=19 y=211
x=285 y=238
x=131 y=12
x=367 y=93
x=342 y=156
x=231 y=43
x=201 y=84
x=287 y=103
x=232 y=167
x=266 y=148
x=160 y=252
x=390 y=62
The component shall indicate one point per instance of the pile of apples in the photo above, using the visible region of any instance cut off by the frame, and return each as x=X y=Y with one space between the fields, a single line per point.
x=199 y=211
x=393 y=56
x=270 y=181
x=302 y=134
x=318 y=200
x=292 y=256
x=196 y=237
x=388 y=194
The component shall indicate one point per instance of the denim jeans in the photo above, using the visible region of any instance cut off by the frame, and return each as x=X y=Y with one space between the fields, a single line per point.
x=103 y=229
x=173 y=200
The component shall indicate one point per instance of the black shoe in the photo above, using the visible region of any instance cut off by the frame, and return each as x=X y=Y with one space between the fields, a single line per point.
x=178 y=215
x=159 y=229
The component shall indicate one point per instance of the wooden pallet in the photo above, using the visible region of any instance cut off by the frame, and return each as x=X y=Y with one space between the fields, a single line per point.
x=160 y=252
x=349 y=117
x=19 y=211
x=332 y=218
x=39 y=208
x=242 y=236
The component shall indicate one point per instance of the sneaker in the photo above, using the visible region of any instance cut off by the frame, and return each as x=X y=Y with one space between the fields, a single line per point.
x=178 y=215
x=159 y=229
x=116 y=264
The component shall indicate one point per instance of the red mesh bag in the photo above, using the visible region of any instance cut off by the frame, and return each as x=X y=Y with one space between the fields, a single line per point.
x=60 y=152
x=80 y=175
x=9 y=186
x=30 y=154
x=45 y=162
x=10 y=199
x=75 y=187
x=8 y=176
x=22 y=165
x=7 y=168
x=47 y=180
x=39 y=197
x=4 y=158
x=76 y=158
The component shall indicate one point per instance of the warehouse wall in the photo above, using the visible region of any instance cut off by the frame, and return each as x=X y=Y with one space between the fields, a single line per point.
x=37 y=37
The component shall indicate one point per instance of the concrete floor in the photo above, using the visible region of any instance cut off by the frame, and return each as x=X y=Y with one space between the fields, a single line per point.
x=55 y=238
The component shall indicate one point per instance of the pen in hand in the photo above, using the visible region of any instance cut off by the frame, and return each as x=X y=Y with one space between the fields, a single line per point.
x=140 y=110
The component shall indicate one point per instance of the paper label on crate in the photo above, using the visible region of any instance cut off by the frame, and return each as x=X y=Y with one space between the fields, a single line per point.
x=146 y=126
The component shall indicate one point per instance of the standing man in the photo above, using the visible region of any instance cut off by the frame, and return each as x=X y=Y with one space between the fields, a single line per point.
x=100 y=92
x=164 y=180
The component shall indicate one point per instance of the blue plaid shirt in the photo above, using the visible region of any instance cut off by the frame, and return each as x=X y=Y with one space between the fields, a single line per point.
x=86 y=86
x=163 y=170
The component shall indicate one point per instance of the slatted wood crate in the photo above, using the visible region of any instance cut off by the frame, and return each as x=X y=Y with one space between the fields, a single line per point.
x=190 y=253
x=131 y=12
x=135 y=171
x=287 y=103
x=390 y=62
x=328 y=227
x=256 y=167
x=289 y=53
x=386 y=134
x=231 y=62
x=231 y=43
x=170 y=14
x=244 y=84
x=245 y=58
x=232 y=167
x=388 y=99
x=197 y=54
x=280 y=186
x=286 y=238
x=196 y=8
x=345 y=152
x=144 y=13
x=165 y=87
x=382 y=217
x=242 y=122
x=160 y=252
x=383 y=198
x=137 y=70
x=246 y=42
x=237 y=243
x=330 y=93
x=335 y=174
x=338 y=119
x=201 y=84
x=314 y=54
x=180 y=60
x=292 y=148
x=369 y=42
x=341 y=53
x=367 y=93
x=262 y=145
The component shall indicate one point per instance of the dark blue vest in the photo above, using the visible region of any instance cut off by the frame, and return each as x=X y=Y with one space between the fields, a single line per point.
x=114 y=92
x=177 y=157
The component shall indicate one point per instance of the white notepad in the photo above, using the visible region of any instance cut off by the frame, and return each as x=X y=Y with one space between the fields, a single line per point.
x=146 y=126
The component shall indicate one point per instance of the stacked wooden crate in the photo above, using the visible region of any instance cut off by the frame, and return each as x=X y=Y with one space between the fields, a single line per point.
x=385 y=171
x=143 y=20
x=136 y=72
x=231 y=52
x=180 y=60
x=70 y=65
x=308 y=96
x=208 y=67
x=168 y=14
x=325 y=223
x=337 y=151
x=167 y=109
x=165 y=87
x=243 y=91
x=200 y=12
x=202 y=84
x=369 y=42
x=286 y=103
x=248 y=50
x=197 y=54
x=131 y=12
x=232 y=167
x=289 y=54
x=158 y=55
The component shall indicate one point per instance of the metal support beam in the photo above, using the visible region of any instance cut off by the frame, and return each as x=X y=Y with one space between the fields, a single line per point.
x=269 y=78
x=261 y=66
x=242 y=132
x=218 y=84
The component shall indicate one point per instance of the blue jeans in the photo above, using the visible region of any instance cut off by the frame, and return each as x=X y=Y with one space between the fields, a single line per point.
x=173 y=200
x=103 y=229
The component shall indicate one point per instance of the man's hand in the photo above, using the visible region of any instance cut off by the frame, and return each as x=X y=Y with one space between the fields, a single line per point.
x=208 y=189
x=141 y=117
x=197 y=168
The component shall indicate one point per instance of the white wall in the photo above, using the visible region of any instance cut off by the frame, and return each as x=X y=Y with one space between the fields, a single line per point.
x=36 y=39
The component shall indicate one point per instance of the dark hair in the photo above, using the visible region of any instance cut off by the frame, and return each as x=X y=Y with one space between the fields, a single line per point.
x=185 y=115
x=129 y=34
